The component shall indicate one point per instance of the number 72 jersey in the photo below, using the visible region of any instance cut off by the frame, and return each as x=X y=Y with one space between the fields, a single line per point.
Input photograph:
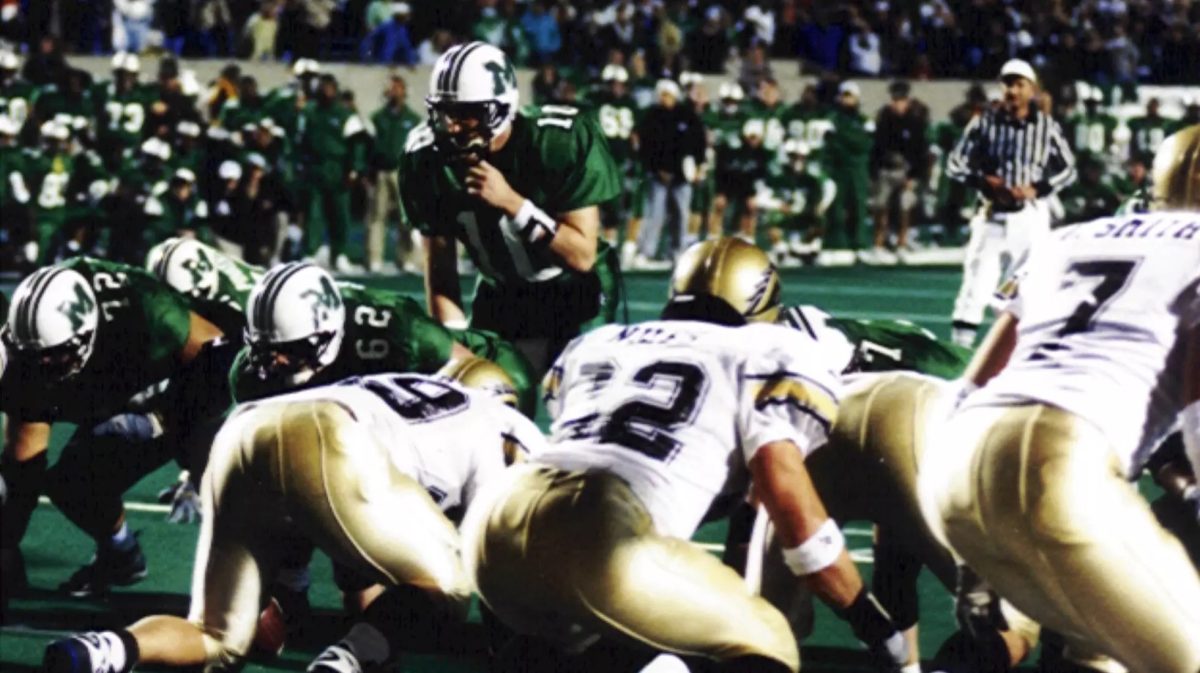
x=1103 y=309
x=678 y=408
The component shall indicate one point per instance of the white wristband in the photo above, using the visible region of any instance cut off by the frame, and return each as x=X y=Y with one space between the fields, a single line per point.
x=1189 y=418
x=818 y=552
x=534 y=225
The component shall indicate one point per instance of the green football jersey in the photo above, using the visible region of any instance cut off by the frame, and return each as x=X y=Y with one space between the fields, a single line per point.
x=775 y=121
x=884 y=345
x=123 y=114
x=726 y=127
x=17 y=99
x=617 y=118
x=1083 y=202
x=799 y=199
x=1091 y=133
x=385 y=332
x=143 y=328
x=237 y=113
x=218 y=286
x=1147 y=133
x=14 y=190
x=283 y=104
x=810 y=125
x=74 y=112
x=490 y=346
x=54 y=179
x=555 y=157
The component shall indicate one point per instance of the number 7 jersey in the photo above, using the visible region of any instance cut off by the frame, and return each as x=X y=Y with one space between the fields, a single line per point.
x=678 y=408
x=1104 y=310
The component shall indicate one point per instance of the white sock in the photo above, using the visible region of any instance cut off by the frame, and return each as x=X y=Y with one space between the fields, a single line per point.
x=963 y=336
x=121 y=537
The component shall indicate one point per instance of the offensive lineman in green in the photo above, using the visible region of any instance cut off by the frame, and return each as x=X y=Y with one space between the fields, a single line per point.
x=88 y=339
x=303 y=329
x=521 y=190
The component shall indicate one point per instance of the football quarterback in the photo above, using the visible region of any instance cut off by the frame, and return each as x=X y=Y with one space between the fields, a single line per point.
x=90 y=343
x=1095 y=361
x=366 y=469
x=521 y=190
x=652 y=424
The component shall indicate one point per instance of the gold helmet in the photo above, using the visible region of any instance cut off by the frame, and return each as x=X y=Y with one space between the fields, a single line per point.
x=1175 y=176
x=737 y=274
x=480 y=374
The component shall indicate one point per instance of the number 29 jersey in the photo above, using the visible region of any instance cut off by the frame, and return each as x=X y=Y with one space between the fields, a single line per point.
x=1104 y=308
x=679 y=408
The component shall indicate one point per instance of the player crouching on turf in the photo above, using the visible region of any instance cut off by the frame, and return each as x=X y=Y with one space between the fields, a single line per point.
x=1095 y=360
x=366 y=469
x=652 y=423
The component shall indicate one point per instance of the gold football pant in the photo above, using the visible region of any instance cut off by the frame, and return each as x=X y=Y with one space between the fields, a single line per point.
x=309 y=466
x=1034 y=500
x=571 y=555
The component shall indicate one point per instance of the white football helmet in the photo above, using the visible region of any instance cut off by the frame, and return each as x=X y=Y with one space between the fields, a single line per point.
x=53 y=320
x=473 y=97
x=295 y=322
x=126 y=62
x=186 y=265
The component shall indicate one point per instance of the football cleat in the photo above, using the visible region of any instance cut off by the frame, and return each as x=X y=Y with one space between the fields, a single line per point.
x=295 y=322
x=335 y=659
x=90 y=652
x=727 y=280
x=110 y=567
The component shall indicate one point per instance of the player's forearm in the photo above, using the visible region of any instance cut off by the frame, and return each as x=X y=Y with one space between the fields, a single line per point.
x=26 y=440
x=442 y=292
x=994 y=352
x=201 y=332
x=575 y=248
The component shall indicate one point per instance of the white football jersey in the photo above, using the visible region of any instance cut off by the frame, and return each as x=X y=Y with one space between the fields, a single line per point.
x=1103 y=308
x=678 y=409
x=447 y=438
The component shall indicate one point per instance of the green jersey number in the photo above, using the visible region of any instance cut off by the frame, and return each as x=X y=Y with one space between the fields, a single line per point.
x=616 y=122
x=106 y=283
x=53 y=193
x=128 y=117
x=811 y=131
x=374 y=318
x=1150 y=138
x=1090 y=137
x=17 y=109
x=561 y=116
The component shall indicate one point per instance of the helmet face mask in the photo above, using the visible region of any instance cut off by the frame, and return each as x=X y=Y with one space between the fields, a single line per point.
x=295 y=322
x=52 y=323
x=473 y=99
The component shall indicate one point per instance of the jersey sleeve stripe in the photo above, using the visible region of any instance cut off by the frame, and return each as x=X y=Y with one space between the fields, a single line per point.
x=808 y=399
x=783 y=374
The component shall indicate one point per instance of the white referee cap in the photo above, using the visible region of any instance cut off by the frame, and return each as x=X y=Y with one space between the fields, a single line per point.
x=1018 y=68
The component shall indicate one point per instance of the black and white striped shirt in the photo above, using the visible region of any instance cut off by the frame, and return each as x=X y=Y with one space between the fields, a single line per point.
x=1032 y=151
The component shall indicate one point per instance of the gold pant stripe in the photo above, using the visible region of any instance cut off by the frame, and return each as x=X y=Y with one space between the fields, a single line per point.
x=571 y=555
x=1043 y=512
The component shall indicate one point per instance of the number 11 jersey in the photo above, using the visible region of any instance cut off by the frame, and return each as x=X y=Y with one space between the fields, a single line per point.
x=1104 y=310
x=678 y=409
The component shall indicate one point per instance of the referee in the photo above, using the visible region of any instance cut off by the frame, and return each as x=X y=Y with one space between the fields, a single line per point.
x=1017 y=157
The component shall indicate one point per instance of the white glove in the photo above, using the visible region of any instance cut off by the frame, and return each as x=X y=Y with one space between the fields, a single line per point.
x=184 y=500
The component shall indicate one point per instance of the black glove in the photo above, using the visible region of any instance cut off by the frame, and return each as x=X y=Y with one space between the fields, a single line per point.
x=976 y=606
x=873 y=626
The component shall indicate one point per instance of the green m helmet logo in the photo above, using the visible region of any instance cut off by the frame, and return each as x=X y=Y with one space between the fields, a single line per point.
x=198 y=268
x=78 y=308
x=324 y=300
x=503 y=76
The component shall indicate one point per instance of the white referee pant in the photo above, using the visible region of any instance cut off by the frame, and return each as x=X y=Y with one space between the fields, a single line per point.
x=997 y=241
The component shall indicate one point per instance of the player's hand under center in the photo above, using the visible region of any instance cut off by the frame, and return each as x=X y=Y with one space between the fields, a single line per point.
x=489 y=184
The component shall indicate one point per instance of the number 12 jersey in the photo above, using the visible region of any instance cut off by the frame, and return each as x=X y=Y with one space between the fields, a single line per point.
x=678 y=409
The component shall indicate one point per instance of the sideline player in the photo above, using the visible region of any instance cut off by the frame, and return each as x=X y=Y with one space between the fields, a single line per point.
x=521 y=189
x=1095 y=361
x=366 y=469
x=652 y=422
